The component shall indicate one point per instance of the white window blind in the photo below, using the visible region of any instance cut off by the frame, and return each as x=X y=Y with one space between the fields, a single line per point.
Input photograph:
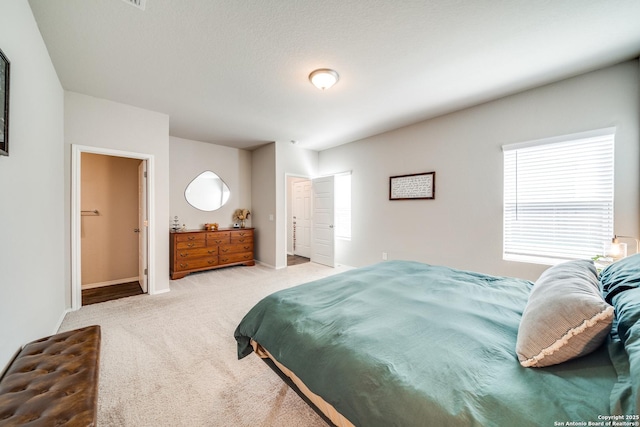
x=343 y=205
x=558 y=198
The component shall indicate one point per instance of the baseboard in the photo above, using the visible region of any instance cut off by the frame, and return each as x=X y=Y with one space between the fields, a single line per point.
x=109 y=283
x=266 y=265
x=64 y=313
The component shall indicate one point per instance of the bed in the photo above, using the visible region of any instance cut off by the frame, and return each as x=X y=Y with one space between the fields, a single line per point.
x=410 y=344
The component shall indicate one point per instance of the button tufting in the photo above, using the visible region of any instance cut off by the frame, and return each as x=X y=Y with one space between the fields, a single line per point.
x=40 y=381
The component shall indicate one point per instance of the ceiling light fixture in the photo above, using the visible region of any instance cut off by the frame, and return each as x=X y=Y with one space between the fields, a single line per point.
x=140 y=4
x=324 y=78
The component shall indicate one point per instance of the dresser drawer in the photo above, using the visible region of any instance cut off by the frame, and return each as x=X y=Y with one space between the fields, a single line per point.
x=218 y=238
x=181 y=265
x=241 y=237
x=191 y=244
x=188 y=237
x=232 y=249
x=188 y=254
x=238 y=257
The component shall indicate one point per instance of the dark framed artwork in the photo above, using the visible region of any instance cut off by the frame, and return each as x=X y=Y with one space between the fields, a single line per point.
x=4 y=104
x=414 y=186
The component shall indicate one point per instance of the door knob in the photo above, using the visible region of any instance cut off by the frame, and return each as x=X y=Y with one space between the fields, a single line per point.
x=136 y=230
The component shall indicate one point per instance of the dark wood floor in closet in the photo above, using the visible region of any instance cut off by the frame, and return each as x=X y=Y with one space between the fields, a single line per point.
x=108 y=293
x=296 y=259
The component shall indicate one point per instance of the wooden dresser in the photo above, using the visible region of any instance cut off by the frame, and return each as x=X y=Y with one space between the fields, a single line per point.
x=201 y=250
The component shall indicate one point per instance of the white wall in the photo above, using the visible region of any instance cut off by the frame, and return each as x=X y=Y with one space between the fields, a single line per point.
x=263 y=203
x=100 y=123
x=290 y=160
x=32 y=264
x=189 y=159
x=462 y=227
x=271 y=165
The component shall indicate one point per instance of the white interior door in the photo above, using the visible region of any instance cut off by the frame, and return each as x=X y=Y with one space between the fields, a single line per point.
x=143 y=225
x=322 y=246
x=302 y=218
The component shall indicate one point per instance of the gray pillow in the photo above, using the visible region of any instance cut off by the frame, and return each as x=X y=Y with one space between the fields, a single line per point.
x=565 y=317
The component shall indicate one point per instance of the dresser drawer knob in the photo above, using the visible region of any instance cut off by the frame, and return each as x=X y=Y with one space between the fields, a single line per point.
x=191 y=244
x=191 y=237
x=184 y=265
x=224 y=250
x=184 y=254
x=212 y=252
x=224 y=260
x=211 y=262
x=246 y=248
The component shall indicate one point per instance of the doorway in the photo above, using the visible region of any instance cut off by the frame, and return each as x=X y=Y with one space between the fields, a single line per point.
x=301 y=218
x=310 y=220
x=110 y=217
x=110 y=243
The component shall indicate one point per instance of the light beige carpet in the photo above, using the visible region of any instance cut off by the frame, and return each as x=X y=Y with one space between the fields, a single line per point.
x=170 y=359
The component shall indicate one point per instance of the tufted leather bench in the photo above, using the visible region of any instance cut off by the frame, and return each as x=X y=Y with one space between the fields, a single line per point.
x=53 y=381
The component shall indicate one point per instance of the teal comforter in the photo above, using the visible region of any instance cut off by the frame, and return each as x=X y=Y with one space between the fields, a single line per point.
x=409 y=344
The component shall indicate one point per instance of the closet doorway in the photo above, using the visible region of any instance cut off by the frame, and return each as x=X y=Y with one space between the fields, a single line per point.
x=110 y=233
x=298 y=220
x=310 y=220
x=302 y=218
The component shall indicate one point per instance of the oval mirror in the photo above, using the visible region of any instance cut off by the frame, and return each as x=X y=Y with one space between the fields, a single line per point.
x=207 y=192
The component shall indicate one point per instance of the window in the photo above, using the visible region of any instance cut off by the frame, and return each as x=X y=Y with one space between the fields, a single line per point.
x=343 y=205
x=558 y=197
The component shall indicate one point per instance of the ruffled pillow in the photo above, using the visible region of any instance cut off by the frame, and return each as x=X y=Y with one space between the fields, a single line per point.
x=565 y=317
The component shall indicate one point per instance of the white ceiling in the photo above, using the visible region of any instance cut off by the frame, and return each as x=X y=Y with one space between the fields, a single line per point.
x=234 y=72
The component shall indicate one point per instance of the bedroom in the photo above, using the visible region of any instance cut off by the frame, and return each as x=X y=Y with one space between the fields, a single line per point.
x=47 y=119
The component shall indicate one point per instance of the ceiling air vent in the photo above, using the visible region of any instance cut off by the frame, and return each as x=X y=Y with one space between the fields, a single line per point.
x=140 y=4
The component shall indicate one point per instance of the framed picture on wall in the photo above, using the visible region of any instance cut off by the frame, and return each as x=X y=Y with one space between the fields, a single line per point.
x=414 y=186
x=4 y=104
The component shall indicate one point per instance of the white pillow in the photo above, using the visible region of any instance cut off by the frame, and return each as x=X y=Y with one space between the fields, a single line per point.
x=565 y=317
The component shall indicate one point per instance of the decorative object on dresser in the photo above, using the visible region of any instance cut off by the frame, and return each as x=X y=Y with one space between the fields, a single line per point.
x=241 y=215
x=199 y=250
x=176 y=224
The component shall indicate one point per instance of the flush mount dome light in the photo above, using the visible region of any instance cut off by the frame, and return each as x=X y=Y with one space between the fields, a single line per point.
x=324 y=78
